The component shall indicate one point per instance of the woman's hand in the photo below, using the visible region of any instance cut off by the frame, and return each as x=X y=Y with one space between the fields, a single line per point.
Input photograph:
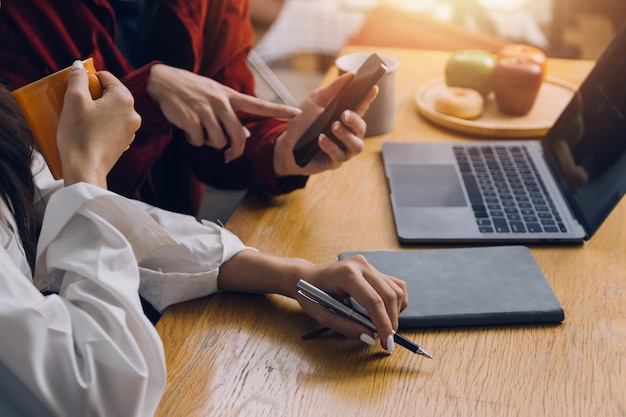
x=383 y=296
x=205 y=109
x=92 y=134
x=349 y=130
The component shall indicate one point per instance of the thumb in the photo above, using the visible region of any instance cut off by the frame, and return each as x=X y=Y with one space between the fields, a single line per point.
x=77 y=81
x=327 y=93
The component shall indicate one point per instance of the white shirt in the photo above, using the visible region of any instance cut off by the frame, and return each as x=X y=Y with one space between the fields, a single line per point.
x=90 y=350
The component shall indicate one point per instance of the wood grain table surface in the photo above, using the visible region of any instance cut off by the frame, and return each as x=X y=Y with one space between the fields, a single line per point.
x=242 y=355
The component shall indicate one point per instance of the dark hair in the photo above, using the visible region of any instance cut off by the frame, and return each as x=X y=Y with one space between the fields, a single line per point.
x=16 y=178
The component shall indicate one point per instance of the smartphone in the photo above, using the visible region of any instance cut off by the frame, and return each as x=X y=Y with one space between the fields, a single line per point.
x=368 y=74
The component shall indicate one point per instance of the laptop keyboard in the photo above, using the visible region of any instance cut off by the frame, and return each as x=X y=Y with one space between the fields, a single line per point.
x=505 y=191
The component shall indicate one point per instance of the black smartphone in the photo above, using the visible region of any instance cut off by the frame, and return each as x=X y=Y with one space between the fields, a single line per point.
x=368 y=74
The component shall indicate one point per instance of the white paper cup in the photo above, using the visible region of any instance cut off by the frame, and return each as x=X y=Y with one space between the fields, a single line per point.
x=381 y=113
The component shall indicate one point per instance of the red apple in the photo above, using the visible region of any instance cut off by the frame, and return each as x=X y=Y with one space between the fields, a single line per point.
x=471 y=68
x=528 y=51
x=516 y=82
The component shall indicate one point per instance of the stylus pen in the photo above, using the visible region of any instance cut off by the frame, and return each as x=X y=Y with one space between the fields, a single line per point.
x=318 y=296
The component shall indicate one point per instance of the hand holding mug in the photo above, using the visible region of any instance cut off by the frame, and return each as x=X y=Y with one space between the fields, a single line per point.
x=92 y=134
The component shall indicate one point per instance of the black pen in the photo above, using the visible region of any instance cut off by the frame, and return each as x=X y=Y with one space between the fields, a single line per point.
x=318 y=296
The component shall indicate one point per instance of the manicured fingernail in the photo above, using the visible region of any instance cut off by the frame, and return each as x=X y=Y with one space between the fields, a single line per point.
x=346 y=115
x=297 y=110
x=391 y=345
x=77 y=65
x=366 y=338
x=336 y=126
x=247 y=132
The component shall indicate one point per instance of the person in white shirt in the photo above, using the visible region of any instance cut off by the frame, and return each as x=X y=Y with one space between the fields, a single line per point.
x=87 y=348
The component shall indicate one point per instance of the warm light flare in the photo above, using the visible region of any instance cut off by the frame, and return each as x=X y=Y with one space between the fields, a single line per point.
x=501 y=5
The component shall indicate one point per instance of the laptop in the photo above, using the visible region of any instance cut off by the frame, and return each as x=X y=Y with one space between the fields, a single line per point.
x=558 y=189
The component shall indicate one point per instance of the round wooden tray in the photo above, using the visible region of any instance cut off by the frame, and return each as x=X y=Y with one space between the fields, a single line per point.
x=554 y=95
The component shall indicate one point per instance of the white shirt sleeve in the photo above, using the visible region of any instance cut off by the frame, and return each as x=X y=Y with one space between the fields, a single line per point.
x=90 y=349
x=172 y=274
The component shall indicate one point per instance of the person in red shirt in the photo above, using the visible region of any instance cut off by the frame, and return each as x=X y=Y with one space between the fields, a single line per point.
x=184 y=61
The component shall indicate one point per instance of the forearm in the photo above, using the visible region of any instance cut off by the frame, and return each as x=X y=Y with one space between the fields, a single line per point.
x=382 y=296
x=254 y=272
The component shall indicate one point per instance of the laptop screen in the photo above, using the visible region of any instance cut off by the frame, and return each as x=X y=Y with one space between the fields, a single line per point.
x=586 y=147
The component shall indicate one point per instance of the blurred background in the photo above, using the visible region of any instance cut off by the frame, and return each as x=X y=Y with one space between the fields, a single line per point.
x=297 y=40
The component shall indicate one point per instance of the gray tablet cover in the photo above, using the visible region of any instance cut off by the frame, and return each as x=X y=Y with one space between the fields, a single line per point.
x=469 y=286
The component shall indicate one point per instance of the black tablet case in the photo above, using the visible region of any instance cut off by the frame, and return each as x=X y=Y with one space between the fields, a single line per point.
x=469 y=286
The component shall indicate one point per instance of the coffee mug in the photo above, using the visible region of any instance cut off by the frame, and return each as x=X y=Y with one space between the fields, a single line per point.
x=41 y=102
x=380 y=115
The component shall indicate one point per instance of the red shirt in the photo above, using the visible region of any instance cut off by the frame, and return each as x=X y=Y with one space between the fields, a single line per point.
x=208 y=37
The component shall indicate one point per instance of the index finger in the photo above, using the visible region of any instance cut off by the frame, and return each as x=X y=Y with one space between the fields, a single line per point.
x=258 y=107
x=364 y=104
x=109 y=81
x=381 y=297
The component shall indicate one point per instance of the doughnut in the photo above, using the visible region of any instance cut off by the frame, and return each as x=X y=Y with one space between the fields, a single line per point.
x=460 y=102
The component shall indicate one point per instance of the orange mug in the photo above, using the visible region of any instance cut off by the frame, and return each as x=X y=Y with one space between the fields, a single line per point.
x=41 y=102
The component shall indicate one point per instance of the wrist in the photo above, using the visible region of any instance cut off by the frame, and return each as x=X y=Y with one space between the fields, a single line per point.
x=254 y=272
x=81 y=169
x=296 y=269
x=281 y=157
x=90 y=176
x=154 y=79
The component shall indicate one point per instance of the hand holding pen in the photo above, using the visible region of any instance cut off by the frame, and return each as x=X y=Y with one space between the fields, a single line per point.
x=327 y=302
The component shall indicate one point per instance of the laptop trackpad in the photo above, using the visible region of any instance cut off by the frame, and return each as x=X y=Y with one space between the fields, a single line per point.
x=426 y=186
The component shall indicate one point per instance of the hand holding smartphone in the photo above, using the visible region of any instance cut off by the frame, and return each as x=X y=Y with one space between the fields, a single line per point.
x=348 y=98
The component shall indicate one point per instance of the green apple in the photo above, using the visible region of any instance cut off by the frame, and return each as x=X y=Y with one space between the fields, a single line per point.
x=471 y=68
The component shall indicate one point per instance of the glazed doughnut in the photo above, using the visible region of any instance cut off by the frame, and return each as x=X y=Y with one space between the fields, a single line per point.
x=460 y=102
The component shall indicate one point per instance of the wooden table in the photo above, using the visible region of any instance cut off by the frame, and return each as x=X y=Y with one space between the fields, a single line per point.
x=242 y=355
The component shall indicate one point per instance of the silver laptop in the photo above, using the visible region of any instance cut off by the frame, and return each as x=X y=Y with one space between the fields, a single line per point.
x=559 y=189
